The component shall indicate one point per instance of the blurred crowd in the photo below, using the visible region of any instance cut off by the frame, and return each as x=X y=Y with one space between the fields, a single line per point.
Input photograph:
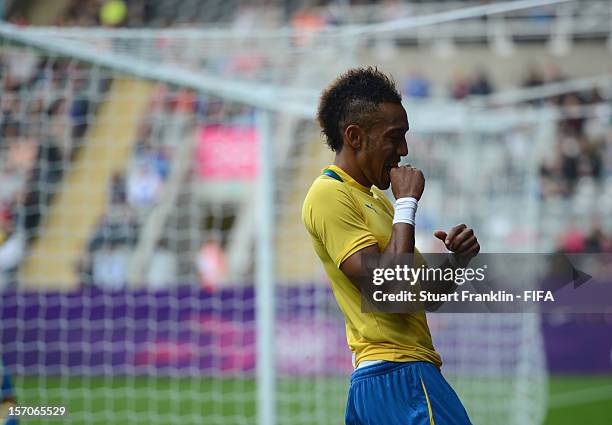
x=46 y=105
x=479 y=83
x=583 y=146
x=418 y=86
x=575 y=240
x=303 y=15
x=43 y=117
x=580 y=165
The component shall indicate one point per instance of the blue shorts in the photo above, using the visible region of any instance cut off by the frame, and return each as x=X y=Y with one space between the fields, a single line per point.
x=410 y=393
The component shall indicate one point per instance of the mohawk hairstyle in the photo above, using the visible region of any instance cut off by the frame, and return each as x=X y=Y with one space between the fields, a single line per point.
x=350 y=99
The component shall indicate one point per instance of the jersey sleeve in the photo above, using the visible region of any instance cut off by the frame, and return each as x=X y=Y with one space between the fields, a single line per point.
x=332 y=215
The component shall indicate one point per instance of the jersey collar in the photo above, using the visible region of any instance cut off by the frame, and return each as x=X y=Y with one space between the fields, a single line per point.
x=348 y=179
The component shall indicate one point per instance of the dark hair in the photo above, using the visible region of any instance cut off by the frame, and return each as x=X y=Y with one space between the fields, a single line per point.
x=350 y=99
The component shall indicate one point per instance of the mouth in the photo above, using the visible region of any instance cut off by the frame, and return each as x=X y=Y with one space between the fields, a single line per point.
x=392 y=165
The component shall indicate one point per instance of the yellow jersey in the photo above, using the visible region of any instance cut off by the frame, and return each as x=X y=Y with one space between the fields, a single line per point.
x=342 y=218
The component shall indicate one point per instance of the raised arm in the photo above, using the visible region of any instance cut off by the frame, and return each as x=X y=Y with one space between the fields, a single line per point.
x=406 y=183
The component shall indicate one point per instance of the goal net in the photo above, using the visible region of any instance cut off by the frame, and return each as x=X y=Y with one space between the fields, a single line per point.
x=133 y=190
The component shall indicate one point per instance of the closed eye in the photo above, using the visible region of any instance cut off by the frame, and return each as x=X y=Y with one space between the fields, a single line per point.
x=397 y=140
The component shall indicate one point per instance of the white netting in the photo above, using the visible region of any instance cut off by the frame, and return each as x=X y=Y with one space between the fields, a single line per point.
x=132 y=167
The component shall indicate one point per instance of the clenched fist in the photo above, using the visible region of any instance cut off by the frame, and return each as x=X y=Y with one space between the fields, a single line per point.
x=460 y=240
x=407 y=181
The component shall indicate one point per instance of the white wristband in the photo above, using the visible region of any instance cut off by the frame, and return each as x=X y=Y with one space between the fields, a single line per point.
x=405 y=210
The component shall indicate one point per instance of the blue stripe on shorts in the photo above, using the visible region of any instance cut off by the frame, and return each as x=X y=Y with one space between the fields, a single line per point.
x=407 y=393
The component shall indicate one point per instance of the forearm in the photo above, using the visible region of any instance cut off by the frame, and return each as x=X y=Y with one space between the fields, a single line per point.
x=402 y=239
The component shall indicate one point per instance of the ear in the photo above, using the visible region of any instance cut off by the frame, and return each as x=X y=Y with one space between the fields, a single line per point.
x=354 y=136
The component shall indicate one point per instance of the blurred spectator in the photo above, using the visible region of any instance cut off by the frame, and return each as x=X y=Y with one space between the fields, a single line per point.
x=309 y=19
x=579 y=159
x=109 y=266
x=307 y=22
x=118 y=227
x=106 y=260
x=163 y=270
x=589 y=162
x=157 y=156
x=573 y=240
x=534 y=77
x=573 y=122
x=12 y=248
x=118 y=195
x=481 y=85
x=553 y=74
x=79 y=109
x=11 y=188
x=417 y=86
x=593 y=97
x=21 y=67
x=83 y=13
x=42 y=184
x=569 y=163
x=597 y=240
x=550 y=177
x=211 y=263
x=143 y=185
x=460 y=86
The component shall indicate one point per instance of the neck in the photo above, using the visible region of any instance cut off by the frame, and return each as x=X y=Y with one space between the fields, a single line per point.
x=350 y=167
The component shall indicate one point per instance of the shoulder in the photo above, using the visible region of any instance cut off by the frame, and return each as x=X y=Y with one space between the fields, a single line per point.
x=324 y=190
x=326 y=196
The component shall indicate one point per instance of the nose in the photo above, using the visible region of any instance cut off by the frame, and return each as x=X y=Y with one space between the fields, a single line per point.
x=403 y=149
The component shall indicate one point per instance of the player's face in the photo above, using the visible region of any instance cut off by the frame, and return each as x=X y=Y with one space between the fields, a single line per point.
x=385 y=144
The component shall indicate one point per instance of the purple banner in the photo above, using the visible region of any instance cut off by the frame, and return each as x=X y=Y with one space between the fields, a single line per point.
x=578 y=343
x=184 y=331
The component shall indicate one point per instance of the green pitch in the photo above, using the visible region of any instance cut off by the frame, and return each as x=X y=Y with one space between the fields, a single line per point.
x=129 y=400
x=580 y=400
